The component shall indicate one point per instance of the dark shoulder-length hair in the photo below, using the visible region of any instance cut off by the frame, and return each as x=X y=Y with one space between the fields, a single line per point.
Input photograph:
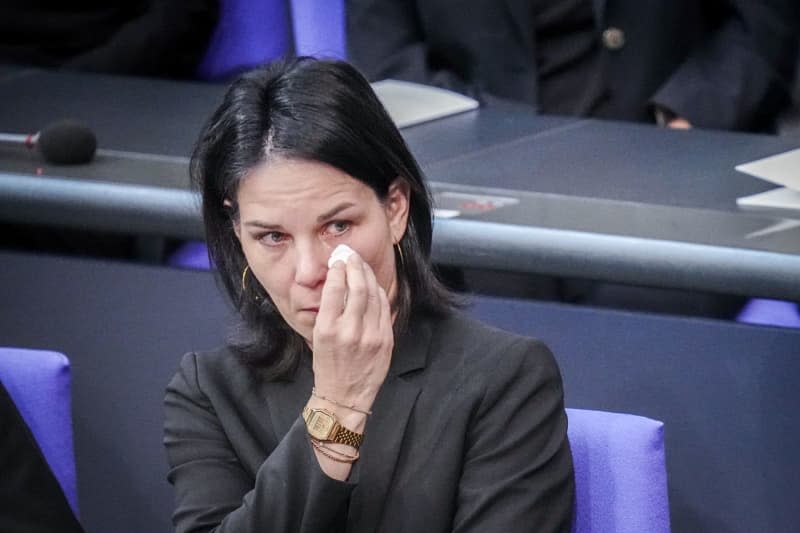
x=315 y=110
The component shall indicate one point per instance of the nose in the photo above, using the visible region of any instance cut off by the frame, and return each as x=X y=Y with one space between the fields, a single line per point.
x=310 y=263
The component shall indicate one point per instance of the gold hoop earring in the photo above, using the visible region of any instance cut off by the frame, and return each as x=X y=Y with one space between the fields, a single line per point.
x=244 y=277
x=256 y=297
x=400 y=253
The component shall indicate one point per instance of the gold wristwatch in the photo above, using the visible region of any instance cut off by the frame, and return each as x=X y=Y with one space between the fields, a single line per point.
x=323 y=426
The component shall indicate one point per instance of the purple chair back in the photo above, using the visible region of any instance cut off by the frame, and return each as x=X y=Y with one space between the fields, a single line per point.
x=39 y=383
x=770 y=313
x=620 y=473
x=248 y=33
x=319 y=28
x=252 y=32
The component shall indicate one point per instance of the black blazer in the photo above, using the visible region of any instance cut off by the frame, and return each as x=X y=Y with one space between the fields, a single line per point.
x=720 y=63
x=468 y=434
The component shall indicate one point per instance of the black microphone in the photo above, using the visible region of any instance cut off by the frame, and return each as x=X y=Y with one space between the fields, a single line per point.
x=66 y=142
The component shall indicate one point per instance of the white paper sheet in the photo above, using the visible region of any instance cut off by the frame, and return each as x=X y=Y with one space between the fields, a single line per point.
x=781 y=169
x=412 y=103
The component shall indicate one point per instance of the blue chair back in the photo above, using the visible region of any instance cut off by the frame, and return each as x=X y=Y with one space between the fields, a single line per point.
x=252 y=32
x=39 y=383
x=620 y=473
x=319 y=28
x=248 y=33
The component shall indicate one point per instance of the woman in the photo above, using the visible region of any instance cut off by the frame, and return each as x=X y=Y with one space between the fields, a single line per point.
x=354 y=398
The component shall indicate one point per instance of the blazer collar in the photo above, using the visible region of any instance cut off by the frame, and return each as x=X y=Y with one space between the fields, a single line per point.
x=411 y=347
x=386 y=427
x=521 y=15
x=521 y=12
x=286 y=398
x=599 y=12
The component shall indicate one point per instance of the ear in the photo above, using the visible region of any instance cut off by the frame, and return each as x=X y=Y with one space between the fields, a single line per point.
x=397 y=205
x=237 y=229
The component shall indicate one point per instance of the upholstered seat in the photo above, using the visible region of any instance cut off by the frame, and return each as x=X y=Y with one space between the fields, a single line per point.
x=620 y=473
x=39 y=383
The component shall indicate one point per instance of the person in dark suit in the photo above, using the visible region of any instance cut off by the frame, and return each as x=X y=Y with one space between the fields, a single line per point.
x=31 y=500
x=355 y=396
x=162 y=38
x=725 y=64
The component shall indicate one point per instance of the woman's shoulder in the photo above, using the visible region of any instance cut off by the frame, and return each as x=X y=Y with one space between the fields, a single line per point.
x=465 y=355
x=210 y=370
x=215 y=360
x=458 y=335
x=460 y=324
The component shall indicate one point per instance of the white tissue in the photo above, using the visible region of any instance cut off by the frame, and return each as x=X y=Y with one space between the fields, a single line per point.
x=340 y=253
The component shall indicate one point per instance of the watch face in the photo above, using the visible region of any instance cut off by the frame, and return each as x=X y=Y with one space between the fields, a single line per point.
x=320 y=425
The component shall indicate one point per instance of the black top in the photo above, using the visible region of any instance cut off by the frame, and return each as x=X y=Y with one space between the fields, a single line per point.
x=142 y=37
x=568 y=58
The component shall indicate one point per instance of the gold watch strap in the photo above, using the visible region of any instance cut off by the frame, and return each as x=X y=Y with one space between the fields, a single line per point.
x=345 y=436
x=339 y=435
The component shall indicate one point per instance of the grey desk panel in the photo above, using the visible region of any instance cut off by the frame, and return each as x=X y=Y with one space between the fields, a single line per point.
x=558 y=212
x=473 y=131
x=107 y=207
x=126 y=113
x=626 y=242
x=164 y=117
x=562 y=238
x=616 y=202
x=620 y=161
x=614 y=258
x=117 y=192
x=108 y=167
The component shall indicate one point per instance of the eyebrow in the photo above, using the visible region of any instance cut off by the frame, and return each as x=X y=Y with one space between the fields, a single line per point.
x=324 y=216
x=333 y=212
x=262 y=225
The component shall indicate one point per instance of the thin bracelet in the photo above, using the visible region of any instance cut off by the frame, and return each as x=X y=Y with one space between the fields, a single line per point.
x=334 y=402
x=334 y=455
x=320 y=445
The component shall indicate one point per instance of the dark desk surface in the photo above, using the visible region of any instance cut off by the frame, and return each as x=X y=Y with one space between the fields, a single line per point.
x=611 y=201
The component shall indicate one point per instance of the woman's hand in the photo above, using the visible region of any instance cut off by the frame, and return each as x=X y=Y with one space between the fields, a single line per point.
x=353 y=337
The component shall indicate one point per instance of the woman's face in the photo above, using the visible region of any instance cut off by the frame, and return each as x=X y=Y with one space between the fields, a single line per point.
x=293 y=213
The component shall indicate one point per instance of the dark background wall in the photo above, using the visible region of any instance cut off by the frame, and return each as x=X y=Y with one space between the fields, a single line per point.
x=725 y=391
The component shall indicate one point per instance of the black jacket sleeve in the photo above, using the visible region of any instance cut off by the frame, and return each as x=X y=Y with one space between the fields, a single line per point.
x=385 y=40
x=740 y=76
x=517 y=472
x=290 y=493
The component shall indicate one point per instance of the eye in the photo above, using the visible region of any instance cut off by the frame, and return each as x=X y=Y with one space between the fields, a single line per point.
x=272 y=238
x=337 y=227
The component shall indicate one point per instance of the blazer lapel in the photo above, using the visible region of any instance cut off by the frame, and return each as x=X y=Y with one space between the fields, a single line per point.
x=521 y=15
x=287 y=398
x=385 y=430
x=599 y=12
